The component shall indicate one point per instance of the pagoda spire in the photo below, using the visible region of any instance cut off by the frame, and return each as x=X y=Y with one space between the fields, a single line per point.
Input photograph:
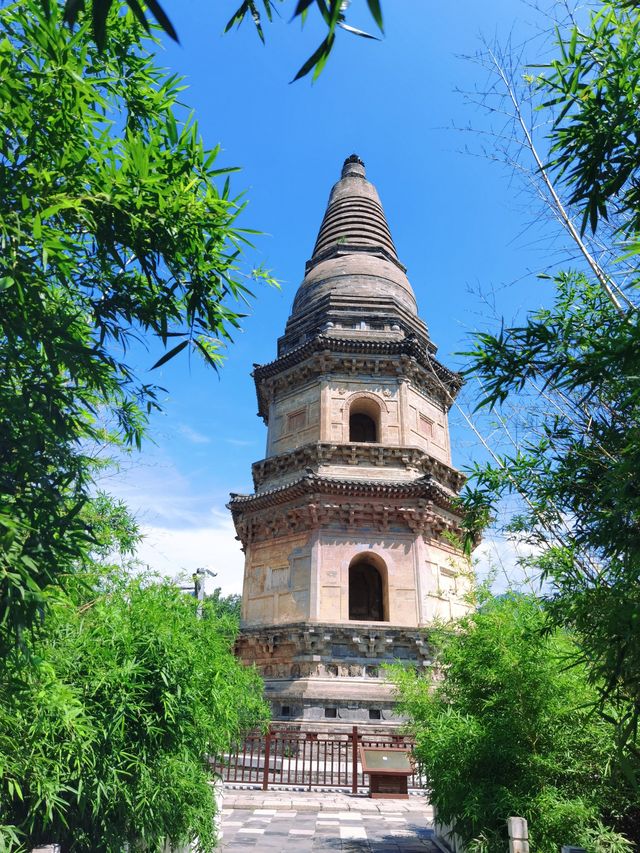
x=354 y=218
x=354 y=275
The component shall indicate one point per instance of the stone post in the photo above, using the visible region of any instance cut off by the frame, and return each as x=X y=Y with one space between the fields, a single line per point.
x=198 y=588
x=218 y=794
x=518 y=835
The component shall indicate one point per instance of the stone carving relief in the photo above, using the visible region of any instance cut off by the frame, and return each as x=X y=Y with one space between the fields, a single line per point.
x=298 y=563
x=336 y=453
x=255 y=581
x=421 y=518
x=340 y=648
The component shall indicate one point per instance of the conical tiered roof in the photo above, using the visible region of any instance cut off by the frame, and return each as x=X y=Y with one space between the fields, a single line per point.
x=354 y=216
x=354 y=279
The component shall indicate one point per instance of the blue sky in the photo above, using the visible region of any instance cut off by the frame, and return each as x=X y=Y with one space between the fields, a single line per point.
x=459 y=221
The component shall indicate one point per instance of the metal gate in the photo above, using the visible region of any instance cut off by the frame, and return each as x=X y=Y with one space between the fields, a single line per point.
x=305 y=759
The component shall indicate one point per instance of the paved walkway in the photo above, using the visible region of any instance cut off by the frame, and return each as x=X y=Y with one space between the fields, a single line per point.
x=320 y=822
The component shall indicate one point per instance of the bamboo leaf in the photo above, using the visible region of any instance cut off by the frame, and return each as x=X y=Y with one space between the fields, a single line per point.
x=161 y=17
x=376 y=10
x=171 y=354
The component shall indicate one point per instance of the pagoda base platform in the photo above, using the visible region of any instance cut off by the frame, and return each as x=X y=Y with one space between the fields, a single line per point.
x=332 y=674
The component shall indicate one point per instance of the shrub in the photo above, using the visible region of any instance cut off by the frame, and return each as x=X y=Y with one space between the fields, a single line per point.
x=104 y=737
x=510 y=729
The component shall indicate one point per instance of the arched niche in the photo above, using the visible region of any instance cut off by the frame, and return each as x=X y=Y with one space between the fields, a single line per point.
x=364 y=420
x=368 y=594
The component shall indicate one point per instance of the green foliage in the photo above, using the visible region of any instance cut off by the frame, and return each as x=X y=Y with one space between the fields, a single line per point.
x=226 y=605
x=594 y=84
x=581 y=461
x=104 y=733
x=576 y=475
x=332 y=13
x=105 y=738
x=114 y=531
x=509 y=730
x=575 y=369
x=112 y=231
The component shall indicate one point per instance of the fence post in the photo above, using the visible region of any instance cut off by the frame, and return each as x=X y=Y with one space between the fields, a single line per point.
x=313 y=738
x=354 y=760
x=518 y=835
x=267 y=753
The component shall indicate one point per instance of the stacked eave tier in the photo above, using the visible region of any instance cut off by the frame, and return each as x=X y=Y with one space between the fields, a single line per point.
x=355 y=461
x=330 y=354
x=354 y=278
x=422 y=506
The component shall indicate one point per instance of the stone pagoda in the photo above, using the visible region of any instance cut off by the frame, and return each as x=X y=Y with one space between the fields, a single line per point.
x=350 y=535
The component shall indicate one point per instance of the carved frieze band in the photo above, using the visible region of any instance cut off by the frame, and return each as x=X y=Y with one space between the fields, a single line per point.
x=426 y=378
x=325 y=453
x=340 y=645
x=422 y=518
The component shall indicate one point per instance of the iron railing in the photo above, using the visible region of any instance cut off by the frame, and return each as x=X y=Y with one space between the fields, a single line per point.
x=305 y=759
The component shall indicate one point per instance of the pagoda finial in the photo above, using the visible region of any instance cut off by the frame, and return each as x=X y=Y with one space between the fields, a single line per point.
x=353 y=165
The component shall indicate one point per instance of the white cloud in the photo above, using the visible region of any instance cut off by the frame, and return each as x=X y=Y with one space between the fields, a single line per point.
x=159 y=495
x=169 y=551
x=193 y=435
x=182 y=530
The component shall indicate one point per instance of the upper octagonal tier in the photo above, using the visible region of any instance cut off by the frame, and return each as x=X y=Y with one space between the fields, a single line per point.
x=354 y=279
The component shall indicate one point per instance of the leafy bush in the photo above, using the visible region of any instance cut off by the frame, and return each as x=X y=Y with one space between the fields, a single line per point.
x=104 y=737
x=510 y=730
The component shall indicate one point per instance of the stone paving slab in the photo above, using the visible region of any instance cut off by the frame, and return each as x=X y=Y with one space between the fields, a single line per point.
x=333 y=801
x=327 y=822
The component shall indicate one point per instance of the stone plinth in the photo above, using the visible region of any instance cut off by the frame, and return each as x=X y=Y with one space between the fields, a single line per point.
x=309 y=668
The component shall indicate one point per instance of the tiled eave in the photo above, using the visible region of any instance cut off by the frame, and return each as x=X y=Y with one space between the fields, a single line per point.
x=407 y=348
x=311 y=456
x=424 y=487
x=322 y=343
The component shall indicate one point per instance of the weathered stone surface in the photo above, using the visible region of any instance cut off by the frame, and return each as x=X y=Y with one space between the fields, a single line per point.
x=349 y=538
x=311 y=667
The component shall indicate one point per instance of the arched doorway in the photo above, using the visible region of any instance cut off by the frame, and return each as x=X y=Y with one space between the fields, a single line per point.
x=364 y=420
x=366 y=592
x=362 y=428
